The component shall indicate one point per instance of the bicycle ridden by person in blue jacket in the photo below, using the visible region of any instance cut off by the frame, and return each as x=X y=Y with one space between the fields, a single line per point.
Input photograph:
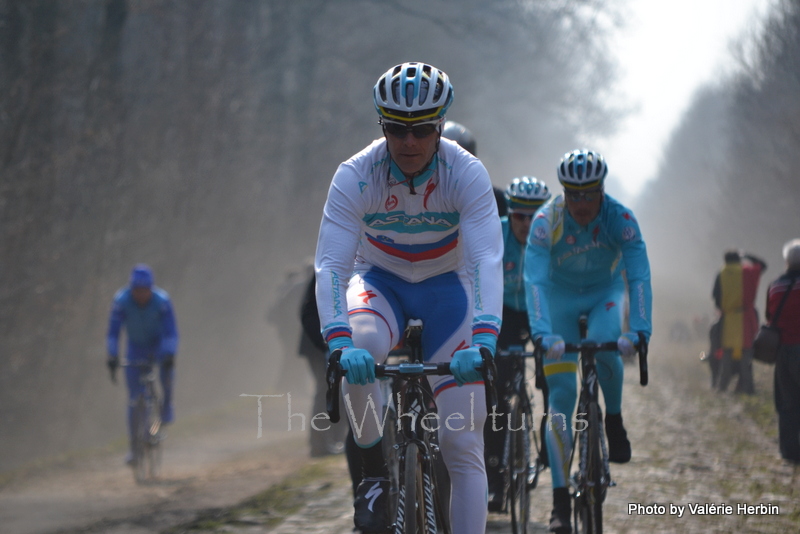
x=146 y=313
x=578 y=247
x=410 y=230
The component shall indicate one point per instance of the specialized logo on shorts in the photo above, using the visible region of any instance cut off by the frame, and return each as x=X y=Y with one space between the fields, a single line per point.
x=368 y=294
x=391 y=203
x=428 y=191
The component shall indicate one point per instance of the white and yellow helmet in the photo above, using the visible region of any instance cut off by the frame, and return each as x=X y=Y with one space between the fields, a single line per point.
x=413 y=92
x=582 y=169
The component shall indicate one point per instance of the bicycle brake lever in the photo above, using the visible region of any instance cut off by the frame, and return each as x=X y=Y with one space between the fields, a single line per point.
x=644 y=376
x=489 y=372
x=333 y=377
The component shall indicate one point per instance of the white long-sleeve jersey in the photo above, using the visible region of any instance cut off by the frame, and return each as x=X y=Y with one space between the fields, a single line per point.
x=449 y=223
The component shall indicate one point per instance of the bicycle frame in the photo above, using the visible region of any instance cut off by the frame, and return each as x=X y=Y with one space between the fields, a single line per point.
x=592 y=479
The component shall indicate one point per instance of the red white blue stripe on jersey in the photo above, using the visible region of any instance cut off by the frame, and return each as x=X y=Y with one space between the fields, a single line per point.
x=485 y=328
x=412 y=253
x=338 y=332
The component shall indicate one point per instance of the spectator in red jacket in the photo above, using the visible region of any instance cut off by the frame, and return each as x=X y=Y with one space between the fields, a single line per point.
x=787 y=368
x=735 y=295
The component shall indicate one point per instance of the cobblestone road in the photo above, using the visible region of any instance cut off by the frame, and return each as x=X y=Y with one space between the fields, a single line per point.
x=690 y=446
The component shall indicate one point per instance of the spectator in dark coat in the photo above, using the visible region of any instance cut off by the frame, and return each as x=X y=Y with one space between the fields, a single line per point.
x=787 y=368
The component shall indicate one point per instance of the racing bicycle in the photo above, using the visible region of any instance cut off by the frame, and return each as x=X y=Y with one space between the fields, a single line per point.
x=419 y=506
x=520 y=473
x=593 y=477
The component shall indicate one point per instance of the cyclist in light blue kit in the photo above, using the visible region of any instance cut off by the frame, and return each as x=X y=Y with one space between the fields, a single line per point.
x=146 y=313
x=410 y=230
x=579 y=245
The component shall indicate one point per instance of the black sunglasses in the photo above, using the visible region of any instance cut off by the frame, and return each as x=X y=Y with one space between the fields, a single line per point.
x=419 y=131
x=586 y=196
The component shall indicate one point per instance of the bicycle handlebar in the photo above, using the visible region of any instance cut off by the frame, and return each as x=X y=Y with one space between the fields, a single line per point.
x=335 y=373
x=520 y=353
x=641 y=347
x=597 y=347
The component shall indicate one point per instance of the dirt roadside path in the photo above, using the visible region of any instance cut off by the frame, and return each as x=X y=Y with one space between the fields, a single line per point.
x=210 y=461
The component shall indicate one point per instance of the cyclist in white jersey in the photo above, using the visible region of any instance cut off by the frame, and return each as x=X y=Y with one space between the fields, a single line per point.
x=410 y=230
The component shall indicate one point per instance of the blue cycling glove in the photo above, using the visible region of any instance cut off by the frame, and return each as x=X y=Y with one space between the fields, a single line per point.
x=627 y=343
x=464 y=364
x=360 y=366
x=553 y=345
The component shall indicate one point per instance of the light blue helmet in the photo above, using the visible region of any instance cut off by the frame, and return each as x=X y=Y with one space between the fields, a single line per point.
x=526 y=194
x=412 y=92
x=582 y=169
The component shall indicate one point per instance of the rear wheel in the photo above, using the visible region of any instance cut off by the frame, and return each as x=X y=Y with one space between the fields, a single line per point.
x=519 y=467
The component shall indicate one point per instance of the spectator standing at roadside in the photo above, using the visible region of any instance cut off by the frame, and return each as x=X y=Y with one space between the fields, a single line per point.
x=734 y=295
x=787 y=368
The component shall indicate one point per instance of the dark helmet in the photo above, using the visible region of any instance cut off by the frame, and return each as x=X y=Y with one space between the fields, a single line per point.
x=461 y=135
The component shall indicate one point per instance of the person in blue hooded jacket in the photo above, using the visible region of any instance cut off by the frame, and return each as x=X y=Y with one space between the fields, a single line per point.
x=152 y=337
x=578 y=247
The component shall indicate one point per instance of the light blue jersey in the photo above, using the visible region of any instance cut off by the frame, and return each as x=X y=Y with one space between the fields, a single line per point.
x=513 y=262
x=562 y=254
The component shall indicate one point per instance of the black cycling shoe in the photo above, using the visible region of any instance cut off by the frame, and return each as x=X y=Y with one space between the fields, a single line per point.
x=619 y=448
x=560 y=518
x=371 y=506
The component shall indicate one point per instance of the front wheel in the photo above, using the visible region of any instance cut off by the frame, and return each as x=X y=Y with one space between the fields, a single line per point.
x=140 y=445
x=154 y=437
x=519 y=467
x=590 y=492
x=409 y=512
